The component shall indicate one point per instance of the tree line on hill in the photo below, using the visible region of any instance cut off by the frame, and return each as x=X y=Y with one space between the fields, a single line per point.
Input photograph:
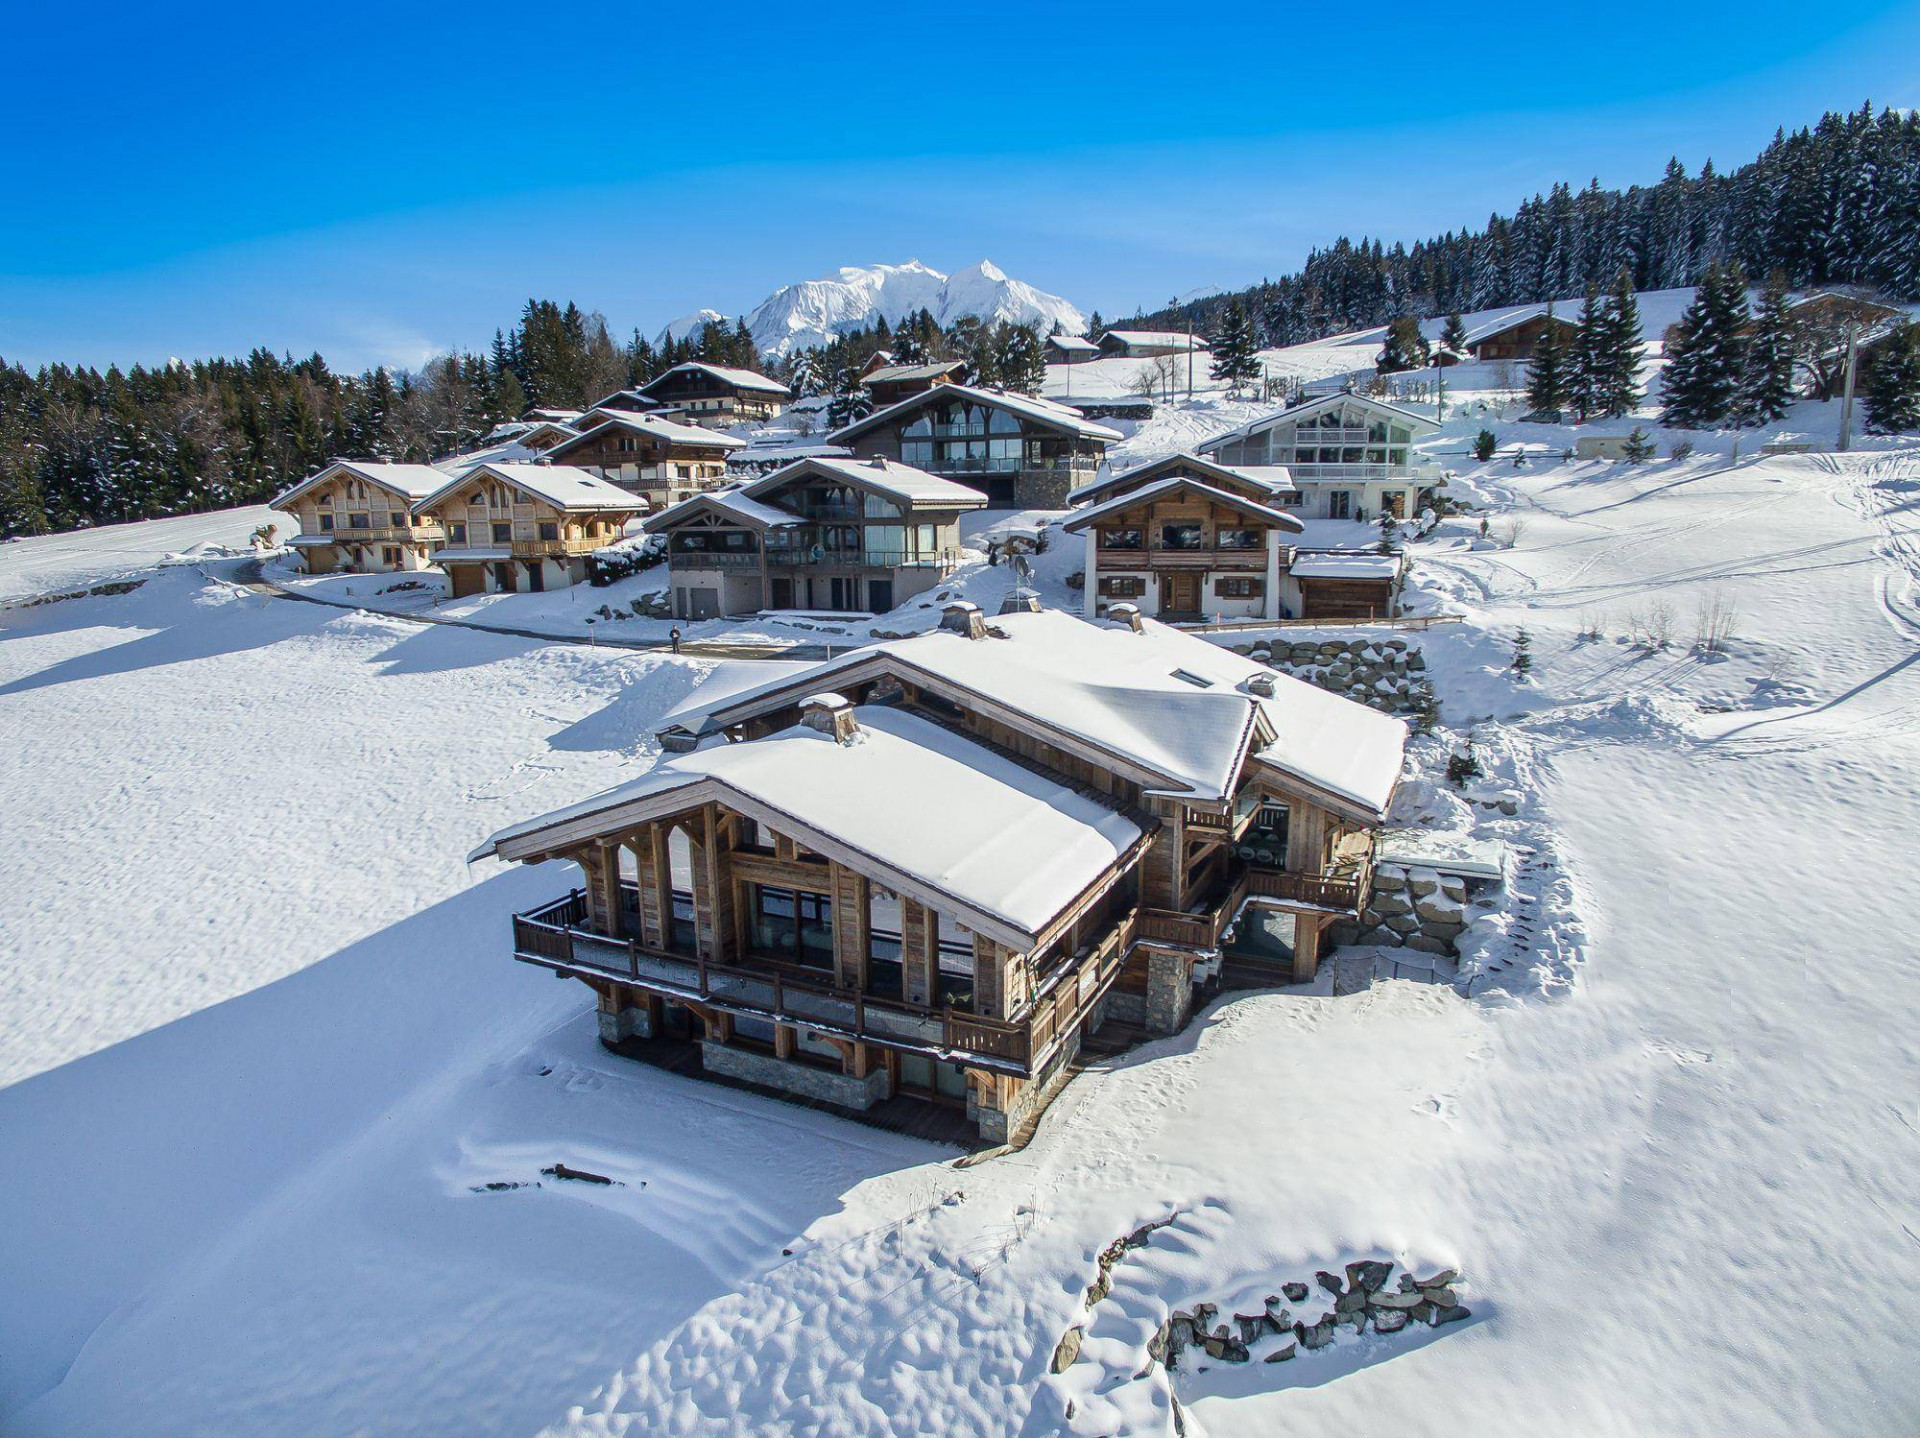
x=1835 y=204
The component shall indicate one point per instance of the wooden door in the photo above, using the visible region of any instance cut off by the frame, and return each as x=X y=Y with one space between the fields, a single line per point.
x=1180 y=593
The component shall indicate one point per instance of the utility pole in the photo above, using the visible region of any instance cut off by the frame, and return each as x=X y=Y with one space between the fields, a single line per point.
x=1189 y=357
x=1439 y=390
x=1846 y=393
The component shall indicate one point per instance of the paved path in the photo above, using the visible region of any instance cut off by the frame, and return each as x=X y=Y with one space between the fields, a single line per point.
x=248 y=576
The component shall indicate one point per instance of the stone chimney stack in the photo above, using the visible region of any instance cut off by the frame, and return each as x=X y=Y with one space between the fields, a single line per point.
x=963 y=616
x=832 y=715
x=1020 y=604
x=1127 y=614
x=1260 y=685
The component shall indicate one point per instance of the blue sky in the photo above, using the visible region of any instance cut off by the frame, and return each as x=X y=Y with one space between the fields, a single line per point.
x=382 y=183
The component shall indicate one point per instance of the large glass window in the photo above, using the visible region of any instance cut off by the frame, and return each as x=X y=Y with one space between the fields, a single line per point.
x=502 y=533
x=794 y=925
x=877 y=508
x=711 y=541
x=1003 y=423
x=1180 y=536
x=1240 y=538
x=1123 y=539
x=886 y=543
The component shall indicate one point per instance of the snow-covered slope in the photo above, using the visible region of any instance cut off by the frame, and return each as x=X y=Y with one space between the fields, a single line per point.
x=813 y=312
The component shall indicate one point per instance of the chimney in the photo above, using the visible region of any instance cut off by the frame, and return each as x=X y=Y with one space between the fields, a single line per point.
x=963 y=617
x=1127 y=614
x=1020 y=604
x=879 y=461
x=1260 y=684
x=831 y=715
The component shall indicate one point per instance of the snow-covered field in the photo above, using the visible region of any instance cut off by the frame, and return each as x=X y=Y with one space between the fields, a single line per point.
x=52 y=563
x=266 y=1050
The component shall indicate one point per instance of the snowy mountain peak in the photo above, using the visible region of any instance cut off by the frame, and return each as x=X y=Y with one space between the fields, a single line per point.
x=815 y=312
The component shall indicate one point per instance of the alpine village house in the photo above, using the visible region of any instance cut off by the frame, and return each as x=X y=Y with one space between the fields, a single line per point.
x=1021 y=452
x=846 y=535
x=660 y=459
x=1187 y=539
x=929 y=868
x=1344 y=455
x=524 y=527
x=716 y=396
x=360 y=517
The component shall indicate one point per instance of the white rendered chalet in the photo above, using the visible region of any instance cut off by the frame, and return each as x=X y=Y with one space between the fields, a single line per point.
x=931 y=866
x=356 y=516
x=1346 y=456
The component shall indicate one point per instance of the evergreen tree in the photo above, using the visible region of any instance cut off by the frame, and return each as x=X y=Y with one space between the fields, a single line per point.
x=1616 y=352
x=1547 y=375
x=1638 y=446
x=1892 y=390
x=1454 y=336
x=1706 y=357
x=1234 y=357
x=850 y=399
x=1021 y=359
x=1767 y=386
x=1586 y=359
x=1405 y=347
x=1522 y=653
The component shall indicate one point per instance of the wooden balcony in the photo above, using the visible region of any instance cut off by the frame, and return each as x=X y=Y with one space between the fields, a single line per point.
x=557 y=936
x=1254 y=561
x=1203 y=928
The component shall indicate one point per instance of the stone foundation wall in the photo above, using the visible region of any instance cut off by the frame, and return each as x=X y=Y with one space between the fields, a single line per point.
x=1169 y=991
x=1384 y=673
x=1413 y=908
x=790 y=1076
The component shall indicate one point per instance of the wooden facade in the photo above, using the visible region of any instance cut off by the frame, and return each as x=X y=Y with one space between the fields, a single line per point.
x=1519 y=339
x=503 y=537
x=817 y=535
x=1021 y=453
x=1346 y=456
x=359 y=519
x=715 y=396
x=747 y=929
x=661 y=463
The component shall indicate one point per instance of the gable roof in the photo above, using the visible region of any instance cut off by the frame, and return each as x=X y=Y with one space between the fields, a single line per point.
x=1113 y=690
x=1239 y=503
x=900 y=373
x=1419 y=422
x=406 y=481
x=1074 y=344
x=1011 y=851
x=596 y=422
x=1179 y=338
x=732 y=504
x=561 y=485
x=738 y=378
x=1512 y=320
x=883 y=476
x=1041 y=411
x=1272 y=479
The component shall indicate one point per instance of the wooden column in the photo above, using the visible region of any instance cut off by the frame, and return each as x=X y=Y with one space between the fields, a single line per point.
x=659 y=869
x=919 y=940
x=608 y=858
x=852 y=936
x=989 y=978
x=1306 y=946
x=713 y=907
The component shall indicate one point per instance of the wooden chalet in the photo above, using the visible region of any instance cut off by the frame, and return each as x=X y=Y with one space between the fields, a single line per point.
x=1148 y=344
x=822 y=533
x=357 y=517
x=661 y=460
x=1517 y=336
x=717 y=396
x=1187 y=539
x=1071 y=349
x=1021 y=452
x=891 y=383
x=524 y=528
x=931 y=867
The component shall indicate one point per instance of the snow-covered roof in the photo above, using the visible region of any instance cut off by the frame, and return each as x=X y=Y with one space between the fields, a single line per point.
x=1075 y=344
x=900 y=373
x=1044 y=411
x=1345 y=566
x=448 y=554
x=1147 y=493
x=1513 y=319
x=884 y=476
x=410 y=482
x=938 y=817
x=600 y=419
x=1419 y=422
x=1272 y=478
x=1120 y=692
x=561 y=485
x=733 y=503
x=738 y=378
x=1177 y=338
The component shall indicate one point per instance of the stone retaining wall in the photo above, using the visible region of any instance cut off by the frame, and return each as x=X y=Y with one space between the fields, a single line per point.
x=791 y=1076
x=1387 y=674
x=1415 y=908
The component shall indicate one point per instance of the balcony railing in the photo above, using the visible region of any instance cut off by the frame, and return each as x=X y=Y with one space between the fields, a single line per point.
x=861 y=559
x=1417 y=471
x=715 y=559
x=1204 y=927
x=1162 y=557
x=556 y=936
